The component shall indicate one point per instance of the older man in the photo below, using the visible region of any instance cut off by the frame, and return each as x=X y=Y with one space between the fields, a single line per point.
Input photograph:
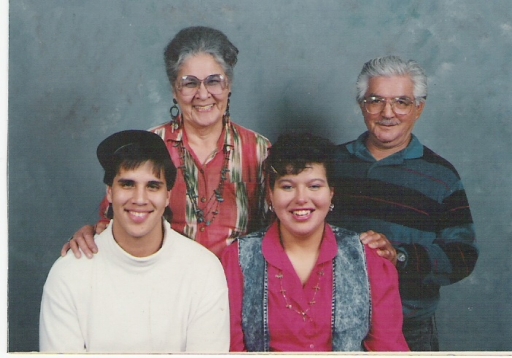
x=389 y=182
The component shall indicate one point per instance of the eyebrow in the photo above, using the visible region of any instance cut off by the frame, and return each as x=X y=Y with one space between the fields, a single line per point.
x=282 y=179
x=131 y=181
x=379 y=96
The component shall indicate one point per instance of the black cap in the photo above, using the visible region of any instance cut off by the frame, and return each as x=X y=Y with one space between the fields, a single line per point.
x=139 y=144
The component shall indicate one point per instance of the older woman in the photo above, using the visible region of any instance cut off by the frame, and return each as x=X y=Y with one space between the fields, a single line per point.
x=302 y=285
x=219 y=188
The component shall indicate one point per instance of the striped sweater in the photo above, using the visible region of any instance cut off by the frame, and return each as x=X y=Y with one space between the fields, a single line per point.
x=416 y=198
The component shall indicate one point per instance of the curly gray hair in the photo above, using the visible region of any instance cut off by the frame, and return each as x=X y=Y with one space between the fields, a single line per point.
x=392 y=66
x=194 y=40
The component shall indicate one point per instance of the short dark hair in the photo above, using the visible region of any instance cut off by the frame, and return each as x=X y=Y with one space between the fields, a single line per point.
x=292 y=153
x=130 y=149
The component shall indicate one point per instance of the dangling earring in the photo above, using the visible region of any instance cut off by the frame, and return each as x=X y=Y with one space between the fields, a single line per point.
x=226 y=115
x=271 y=208
x=331 y=207
x=174 y=111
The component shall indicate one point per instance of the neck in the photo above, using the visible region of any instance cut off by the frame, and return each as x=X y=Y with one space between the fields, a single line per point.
x=302 y=252
x=139 y=247
x=202 y=134
x=308 y=244
x=380 y=152
x=203 y=140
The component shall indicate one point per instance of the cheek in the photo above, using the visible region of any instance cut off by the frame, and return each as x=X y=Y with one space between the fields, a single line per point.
x=183 y=101
x=161 y=200
x=278 y=200
x=370 y=118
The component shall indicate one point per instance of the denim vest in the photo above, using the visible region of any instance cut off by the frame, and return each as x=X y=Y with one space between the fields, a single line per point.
x=351 y=306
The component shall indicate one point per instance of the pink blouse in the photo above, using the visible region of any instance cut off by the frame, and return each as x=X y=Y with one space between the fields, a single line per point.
x=293 y=331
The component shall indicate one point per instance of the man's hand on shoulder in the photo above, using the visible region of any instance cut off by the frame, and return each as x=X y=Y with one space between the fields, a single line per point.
x=381 y=244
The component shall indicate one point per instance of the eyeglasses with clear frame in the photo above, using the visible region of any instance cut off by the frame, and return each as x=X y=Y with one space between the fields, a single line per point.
x=189 y=85
x=400 y=105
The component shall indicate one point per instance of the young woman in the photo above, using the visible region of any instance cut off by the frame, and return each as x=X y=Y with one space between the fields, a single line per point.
x=303 y=285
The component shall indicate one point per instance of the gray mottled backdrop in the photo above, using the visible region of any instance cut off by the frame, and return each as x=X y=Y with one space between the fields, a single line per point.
x=83 y=69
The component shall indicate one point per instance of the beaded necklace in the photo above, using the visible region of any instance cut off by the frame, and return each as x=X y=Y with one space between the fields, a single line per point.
x=211 y=206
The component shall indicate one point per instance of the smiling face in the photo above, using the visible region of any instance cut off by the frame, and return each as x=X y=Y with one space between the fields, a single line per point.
x=389 y=133
x=202 y=109
x=139 y=199
x=301 y=202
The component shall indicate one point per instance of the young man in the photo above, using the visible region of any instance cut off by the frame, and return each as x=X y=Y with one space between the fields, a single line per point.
x=149 y=289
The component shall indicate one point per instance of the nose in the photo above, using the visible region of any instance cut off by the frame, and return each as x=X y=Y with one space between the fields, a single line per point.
x=202 y=91
x=387 y=111
x=301 y=195
x=139 y=195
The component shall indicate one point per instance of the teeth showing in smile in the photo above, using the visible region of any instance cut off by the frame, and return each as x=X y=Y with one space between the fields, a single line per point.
x=301 y=212
x=138 y=214
x=204 y=108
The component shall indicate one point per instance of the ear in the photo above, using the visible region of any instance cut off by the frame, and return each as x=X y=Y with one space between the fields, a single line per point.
x=109 y=194
x=361 y=107
x=168 y=199
x=270 y=197
x=332 y=192
x=419 y=110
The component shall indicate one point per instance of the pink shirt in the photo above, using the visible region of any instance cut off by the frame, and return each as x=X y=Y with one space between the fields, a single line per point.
x=289 y=330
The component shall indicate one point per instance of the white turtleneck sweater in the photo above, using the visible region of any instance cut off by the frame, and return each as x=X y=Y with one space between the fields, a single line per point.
x=175 y=300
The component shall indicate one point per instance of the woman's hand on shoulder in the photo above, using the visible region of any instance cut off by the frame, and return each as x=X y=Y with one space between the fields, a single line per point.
x=83 y=240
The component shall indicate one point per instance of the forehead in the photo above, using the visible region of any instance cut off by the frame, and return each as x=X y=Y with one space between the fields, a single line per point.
x=144 y=172
x=311 y=171
x=200 y=65
x=395 y=86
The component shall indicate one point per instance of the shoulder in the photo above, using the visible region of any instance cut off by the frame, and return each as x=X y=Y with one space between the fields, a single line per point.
x=166 y=131
x=187 y=252
x=433 y=158
x=344 y=234
x=379 y=264
x=160 y=128
x=342 y=151
x=70 y=263
x=249 y=135
x=252 y=238
x=69 y=270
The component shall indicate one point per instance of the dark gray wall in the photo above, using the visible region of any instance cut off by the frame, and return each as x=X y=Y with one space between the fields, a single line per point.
x=81 y=70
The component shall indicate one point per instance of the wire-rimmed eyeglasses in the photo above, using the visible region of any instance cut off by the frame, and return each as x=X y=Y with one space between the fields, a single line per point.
x=399 y=105
x=189 y=85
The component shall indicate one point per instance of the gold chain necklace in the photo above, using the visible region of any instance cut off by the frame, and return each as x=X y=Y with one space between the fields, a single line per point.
x=316 y=288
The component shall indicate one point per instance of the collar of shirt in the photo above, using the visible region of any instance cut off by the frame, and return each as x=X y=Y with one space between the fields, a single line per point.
x=178 y=134
x=132 y=263
x=275 y=255
x=358 y=148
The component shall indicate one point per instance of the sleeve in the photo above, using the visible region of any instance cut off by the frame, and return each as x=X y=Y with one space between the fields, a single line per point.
x=235 y=279
x=452 y=255
x=259 y=215
x=387 y=317
x=208 y=328
x=59 y=328
x=104 y=206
